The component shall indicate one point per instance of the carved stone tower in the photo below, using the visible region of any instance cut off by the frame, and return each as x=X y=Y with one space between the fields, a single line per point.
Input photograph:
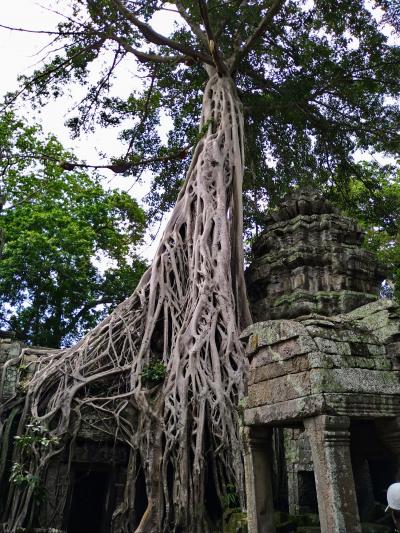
x=309 y=259
x=324 y=356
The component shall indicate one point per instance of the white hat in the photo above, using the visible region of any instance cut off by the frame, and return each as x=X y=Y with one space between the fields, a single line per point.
x=393 y=497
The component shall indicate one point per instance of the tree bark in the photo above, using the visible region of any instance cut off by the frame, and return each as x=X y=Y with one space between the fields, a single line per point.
x=187 y=313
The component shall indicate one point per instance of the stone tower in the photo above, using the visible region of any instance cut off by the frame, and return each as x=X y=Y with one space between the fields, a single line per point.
x=324 y=354
x=309 y=259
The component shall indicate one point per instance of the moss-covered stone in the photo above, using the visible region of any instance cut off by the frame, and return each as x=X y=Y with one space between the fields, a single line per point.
x=235 y=522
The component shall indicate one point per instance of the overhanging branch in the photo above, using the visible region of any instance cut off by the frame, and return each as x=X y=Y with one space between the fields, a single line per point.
x=146 y=57
x=118 y=167
x=156 y=38
x=259 y=32
x=217 y=59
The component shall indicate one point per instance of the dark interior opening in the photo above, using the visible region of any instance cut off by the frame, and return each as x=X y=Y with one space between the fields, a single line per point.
x=90 y=502
x=170 y=484
x=279 y=471
x=141 y=502
x=212 y=502
x=307 y=492
x=373 y=463
x=382 y=475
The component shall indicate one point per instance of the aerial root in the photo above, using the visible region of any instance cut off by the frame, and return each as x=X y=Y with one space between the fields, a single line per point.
x=185 y=315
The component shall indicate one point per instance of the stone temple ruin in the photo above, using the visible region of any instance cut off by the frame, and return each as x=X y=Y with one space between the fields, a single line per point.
x=85 y=500
x=324 y=365
x=321 y=421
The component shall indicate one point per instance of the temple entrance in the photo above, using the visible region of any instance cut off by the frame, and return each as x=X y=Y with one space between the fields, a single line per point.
x=90 y=501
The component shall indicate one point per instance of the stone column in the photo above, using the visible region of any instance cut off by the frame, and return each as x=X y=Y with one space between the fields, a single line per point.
x=330 y=446
x=258 y=468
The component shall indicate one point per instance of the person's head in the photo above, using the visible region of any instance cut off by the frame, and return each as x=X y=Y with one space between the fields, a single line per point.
x=393 y=497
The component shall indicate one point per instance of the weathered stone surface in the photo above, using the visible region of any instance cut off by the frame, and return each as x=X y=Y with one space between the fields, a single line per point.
x=258 y=467
x=285 y=388
x=383 y=319
x=281 y=351
x=310 y=261
x=9 y=348
x=330 y=446
x=270 y=332
x=319 y=380
x=354 y=380
x=279 y=368
x=308 y=266
x=292 y=412
x=375 y=307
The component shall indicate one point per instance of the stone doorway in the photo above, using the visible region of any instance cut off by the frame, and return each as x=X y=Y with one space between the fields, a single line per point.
x=91 y=500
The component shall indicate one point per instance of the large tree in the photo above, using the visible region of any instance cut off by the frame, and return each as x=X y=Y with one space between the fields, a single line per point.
x=54 y=224
x=374 y=201
x=313 y=81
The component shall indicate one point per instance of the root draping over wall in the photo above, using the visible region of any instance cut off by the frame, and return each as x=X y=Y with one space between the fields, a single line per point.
x=181 y=424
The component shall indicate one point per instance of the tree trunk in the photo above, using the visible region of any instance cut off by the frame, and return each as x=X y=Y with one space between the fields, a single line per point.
x=186 y=314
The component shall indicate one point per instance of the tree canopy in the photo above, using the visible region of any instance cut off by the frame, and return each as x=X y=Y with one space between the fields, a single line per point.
x=286 y=91
x=54 y=224
x=373 y=198
x=318 y=81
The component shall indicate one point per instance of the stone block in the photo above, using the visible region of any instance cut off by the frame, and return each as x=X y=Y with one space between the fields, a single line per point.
x=330 y=346
x=354 y=380
x=383 y=363
x=376 y=350
x=363 y=405
x=393 y=349
x=325 y=330
x=279 y=389
x=279 y=368
x=286 y=412
x=9 y=349
x=10 y=382
x=270 y=332
x=323 y=360
x=285 y=349
x=389 y=333
x=374 y=307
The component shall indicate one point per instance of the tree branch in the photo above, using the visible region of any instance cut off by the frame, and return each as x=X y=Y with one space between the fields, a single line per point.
x=51 y=71
x=193 y=26
x=46 y=32
x=83 y=310
x=156 y=38
x=146 y=57
x=218 y=61
x=259 y=32
x=118 y=168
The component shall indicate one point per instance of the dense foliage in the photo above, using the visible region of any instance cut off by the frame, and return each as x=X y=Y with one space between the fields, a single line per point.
x=286 y=92
x=318 y=87
x=68 y=252
x=373 y=197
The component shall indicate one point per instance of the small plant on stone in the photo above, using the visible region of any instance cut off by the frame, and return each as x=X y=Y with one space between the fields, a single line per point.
x=241 y=406
x=230 y=499
x=22 y=478
x=23 y=370
x=154 y=373
x=35 y=435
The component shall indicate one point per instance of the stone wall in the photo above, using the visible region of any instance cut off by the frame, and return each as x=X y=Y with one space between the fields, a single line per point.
x=324 y=356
